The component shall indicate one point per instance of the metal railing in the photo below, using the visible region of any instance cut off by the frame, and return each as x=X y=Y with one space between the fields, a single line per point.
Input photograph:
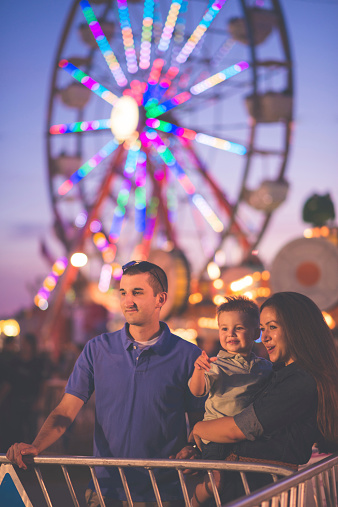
x=289 y=491
x=321 y=477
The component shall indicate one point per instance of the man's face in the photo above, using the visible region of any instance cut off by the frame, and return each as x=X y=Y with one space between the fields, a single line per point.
x=138 y=303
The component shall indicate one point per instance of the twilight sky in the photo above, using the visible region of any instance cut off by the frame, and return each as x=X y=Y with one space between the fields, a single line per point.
x=29 y=37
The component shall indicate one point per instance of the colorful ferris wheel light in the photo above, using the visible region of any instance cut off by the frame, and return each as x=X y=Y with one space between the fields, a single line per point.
x=210 y=216
x=95 y=226
x=103 y=44
x=50 y=282
x=79 y=126
x=59 y=266
x=157 y=110
x=140 y=192
x=169 y=25
x=219 y=77
x=153 y=79
x=213 y=271
x=123 y=195
x=199 y=31
x=88 y=167
x=154 y=110
x=147 y=27
x=124 y=118
x=169 y=159
x=215 y=142
x=127 y=36
x=105 y=278
x=78 y=259
x=87 y=81
x=221 y=144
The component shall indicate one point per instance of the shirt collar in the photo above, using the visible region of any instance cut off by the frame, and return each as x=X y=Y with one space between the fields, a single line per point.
x=281 y=371
x=224 y=354
x=159 y=347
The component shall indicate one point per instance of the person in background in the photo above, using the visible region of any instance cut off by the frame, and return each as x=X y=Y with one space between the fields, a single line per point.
x=7 y=357
x=140 y=376
x=25 y=377
x=232 y=379
x=299 y=402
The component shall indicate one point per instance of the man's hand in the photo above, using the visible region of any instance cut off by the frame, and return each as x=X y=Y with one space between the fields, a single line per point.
x=20 y=453
x=188 y=452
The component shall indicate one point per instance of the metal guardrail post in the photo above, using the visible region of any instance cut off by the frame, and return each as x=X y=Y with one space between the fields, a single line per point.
x=184 y=488
x=97 y=486
x=155 y=488
x=70 y=486
x=125 y=486
x=43 y=486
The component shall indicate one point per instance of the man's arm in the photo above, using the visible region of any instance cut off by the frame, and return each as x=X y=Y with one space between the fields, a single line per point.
x=222 y=430
x=53 y=428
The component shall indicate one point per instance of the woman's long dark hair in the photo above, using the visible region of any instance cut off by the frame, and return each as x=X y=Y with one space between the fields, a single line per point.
x=311 y=345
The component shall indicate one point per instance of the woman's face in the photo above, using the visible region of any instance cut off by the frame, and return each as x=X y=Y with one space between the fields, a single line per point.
x=273 y=337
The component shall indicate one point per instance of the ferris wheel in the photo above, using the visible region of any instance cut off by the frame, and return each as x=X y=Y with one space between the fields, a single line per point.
x=168 y=130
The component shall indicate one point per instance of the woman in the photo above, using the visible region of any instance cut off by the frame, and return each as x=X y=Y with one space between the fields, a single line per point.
x=299 y=402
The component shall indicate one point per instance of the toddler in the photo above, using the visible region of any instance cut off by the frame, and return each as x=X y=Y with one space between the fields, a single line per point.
x=233 y=378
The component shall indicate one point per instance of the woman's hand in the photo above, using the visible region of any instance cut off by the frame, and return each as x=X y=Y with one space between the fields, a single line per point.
x=198 y=441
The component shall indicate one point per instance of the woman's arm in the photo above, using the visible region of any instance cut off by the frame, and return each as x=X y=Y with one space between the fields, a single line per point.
x=222 y=430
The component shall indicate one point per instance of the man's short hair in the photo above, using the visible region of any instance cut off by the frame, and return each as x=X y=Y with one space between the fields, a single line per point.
x=158 y=281
x=240 y=304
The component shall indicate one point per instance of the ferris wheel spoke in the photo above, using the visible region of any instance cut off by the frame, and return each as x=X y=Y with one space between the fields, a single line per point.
x=222 y=52
x=103 y=44
x=197 y=89
x=88 y=82
x=140 y=192
x=236 y=227
x=169 y=25
x=221 y=76
x=153 y=79
x=127 y=36
x=147 y=30
x=163 y=207
x=152 y=213
x=155 y=91
x=214 y=142
x=124 y=193
x=80 y=126
x=86 y=168
x=174 y=167
x=199 y=31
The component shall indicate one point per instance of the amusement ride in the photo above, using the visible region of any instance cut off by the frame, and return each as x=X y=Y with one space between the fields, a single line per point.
x=168 y=134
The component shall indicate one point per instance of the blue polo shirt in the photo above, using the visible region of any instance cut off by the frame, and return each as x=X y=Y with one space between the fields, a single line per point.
x=141 y=399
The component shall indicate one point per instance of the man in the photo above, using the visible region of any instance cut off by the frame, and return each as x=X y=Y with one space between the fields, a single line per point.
x=140 y=377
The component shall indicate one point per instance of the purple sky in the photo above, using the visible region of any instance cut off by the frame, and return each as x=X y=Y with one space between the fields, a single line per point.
x=29 y=37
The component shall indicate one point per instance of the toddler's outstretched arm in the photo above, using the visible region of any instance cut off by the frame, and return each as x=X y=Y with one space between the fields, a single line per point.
x=197 y=381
